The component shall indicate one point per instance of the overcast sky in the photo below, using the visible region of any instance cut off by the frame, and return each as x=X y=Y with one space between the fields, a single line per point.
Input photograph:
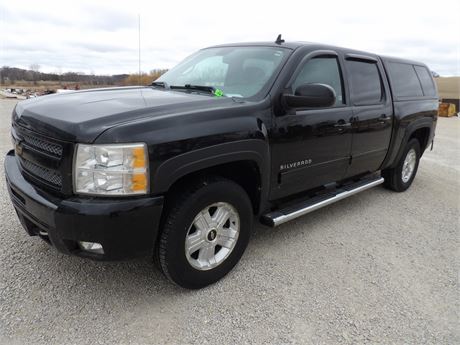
x=101 y=37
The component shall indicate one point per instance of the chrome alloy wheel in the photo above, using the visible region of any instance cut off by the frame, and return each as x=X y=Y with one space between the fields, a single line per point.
x=212 y=236
x=408 y=165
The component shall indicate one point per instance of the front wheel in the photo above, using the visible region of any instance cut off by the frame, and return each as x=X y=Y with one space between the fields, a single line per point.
x=205 y=232
x=400 y=177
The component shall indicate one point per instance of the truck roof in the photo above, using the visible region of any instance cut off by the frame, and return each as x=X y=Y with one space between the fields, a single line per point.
x=293 y=45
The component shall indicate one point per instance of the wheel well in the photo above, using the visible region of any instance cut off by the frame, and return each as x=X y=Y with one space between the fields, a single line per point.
x=244 y=173
x=422 y=135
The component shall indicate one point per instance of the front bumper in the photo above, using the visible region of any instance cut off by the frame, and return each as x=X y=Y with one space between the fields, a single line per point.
x=125 y=228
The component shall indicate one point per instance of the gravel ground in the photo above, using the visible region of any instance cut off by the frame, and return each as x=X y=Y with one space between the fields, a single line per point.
x=381 y=267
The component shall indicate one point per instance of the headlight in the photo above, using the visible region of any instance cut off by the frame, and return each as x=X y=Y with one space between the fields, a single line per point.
x=119 y=169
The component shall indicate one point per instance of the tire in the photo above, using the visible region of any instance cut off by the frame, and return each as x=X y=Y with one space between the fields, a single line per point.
x=396 y=179
x=184 y=220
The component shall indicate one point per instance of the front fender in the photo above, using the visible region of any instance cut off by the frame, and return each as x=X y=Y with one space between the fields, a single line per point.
x=179 y=166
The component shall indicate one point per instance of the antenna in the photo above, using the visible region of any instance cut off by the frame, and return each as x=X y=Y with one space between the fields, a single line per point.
x=279 y=40
x=139 y=30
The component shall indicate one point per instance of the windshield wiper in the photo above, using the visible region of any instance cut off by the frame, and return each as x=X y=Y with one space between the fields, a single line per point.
x=208 y=89
x=160 y=84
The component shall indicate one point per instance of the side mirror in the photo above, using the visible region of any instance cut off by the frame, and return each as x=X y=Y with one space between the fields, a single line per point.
x=311 y=96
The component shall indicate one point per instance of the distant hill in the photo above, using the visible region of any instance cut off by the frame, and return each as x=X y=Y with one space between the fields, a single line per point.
x=10 y=75
x=449 y=90
x=448 y=87
x=32 y=81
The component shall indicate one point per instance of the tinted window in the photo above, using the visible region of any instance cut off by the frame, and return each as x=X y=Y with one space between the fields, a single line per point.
x=323 y=70
x=404 y=81
x=426 y=80
x=366 y=86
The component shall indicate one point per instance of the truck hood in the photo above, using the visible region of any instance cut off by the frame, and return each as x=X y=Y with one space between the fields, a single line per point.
x=83 y=115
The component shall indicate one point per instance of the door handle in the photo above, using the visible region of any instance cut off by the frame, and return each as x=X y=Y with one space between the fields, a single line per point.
x=342 y=124
x=384 y=119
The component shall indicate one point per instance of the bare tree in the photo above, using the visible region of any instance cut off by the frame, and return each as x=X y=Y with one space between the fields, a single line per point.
x=35 y=68
x=2 y=75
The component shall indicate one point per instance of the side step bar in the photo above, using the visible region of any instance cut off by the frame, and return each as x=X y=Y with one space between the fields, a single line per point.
x=284 y=215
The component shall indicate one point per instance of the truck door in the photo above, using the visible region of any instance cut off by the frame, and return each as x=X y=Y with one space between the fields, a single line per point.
x=372 y=113
x=311 y=147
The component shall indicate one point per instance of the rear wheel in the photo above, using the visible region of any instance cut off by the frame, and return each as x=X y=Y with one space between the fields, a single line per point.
x=205 y=232
x=400 y=177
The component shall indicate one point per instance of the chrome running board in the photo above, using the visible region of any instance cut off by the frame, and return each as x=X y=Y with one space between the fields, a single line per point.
x=284 y=215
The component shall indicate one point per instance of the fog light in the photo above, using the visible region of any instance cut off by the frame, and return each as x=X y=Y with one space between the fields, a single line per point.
x=91 y=247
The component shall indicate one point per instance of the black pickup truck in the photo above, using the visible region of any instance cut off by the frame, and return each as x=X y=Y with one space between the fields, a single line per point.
x=180 y=169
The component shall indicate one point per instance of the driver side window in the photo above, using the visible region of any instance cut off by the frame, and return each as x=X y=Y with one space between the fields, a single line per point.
x=323 y=70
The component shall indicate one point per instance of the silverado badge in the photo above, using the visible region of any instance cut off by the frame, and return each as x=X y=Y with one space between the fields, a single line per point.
x=297 y=164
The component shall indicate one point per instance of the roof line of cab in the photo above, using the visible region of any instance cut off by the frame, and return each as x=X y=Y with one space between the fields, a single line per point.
x=313 y=46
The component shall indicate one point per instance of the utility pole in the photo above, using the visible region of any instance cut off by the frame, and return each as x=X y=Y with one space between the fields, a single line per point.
x=139 y=30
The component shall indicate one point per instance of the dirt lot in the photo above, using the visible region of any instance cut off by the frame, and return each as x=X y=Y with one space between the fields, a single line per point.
x=379 y=268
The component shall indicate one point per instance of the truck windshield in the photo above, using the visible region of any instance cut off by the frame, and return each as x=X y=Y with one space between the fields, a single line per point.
x=237 y=71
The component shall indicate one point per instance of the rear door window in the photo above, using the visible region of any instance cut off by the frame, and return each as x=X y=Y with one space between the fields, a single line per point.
x=365 y=82
x=426 y=80
x=404 y=80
